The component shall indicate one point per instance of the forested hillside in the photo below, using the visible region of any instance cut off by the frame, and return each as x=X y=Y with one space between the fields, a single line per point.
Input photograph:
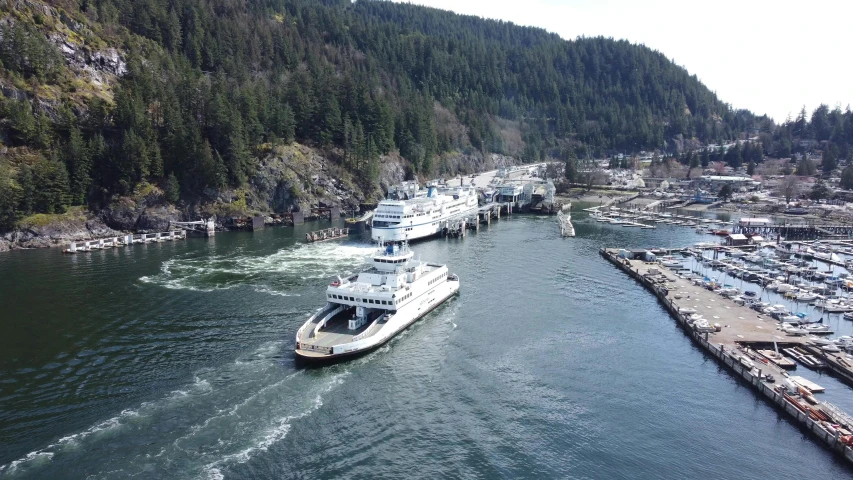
x=101 y=96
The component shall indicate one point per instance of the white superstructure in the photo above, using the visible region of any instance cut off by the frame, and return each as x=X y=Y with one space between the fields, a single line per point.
x=422 y=213
x=367 y=309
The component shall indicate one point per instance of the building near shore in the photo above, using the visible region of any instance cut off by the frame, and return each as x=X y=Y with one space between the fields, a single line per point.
x=755 y=222
x=716 y=182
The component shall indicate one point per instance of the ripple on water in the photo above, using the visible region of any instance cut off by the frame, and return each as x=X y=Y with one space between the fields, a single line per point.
x=265 y=273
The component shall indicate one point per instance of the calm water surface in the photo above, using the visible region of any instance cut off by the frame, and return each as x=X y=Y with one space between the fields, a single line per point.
x=175 y=360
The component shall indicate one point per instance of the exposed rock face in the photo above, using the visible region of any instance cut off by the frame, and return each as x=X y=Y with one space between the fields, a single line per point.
x=392 y=170
x=148 y=214
x=57 y=232
x=296 y=177
x=156 y=219
x=121 y=214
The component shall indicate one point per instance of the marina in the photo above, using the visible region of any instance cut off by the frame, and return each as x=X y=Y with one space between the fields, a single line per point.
x=736 y=336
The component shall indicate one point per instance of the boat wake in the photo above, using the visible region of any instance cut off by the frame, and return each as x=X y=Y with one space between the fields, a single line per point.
x=227 y=415
x=274 y=274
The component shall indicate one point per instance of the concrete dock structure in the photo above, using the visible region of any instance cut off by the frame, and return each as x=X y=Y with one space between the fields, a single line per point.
x=733 y=335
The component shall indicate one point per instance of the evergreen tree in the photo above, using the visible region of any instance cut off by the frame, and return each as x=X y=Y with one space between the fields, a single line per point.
x=750 y=168
x=733 y=156
x=50 y=186
x=819 y=191
x=614 y=163
x=805 y=167
x=847 y=178
x=571 y=169
x=79 y=162
x=829 y=161
x=172 y=191
x=10 y=197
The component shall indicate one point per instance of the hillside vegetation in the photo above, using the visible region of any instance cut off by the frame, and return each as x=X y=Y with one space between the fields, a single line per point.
x=191 y=95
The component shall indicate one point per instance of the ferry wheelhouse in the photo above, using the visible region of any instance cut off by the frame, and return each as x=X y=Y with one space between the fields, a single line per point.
x=366 y=310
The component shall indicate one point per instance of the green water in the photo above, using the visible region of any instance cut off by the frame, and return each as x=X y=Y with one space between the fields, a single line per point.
x=174 y=360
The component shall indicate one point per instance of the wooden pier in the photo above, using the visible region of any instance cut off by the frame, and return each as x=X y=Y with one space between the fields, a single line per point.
x=731 y=340
x=326 y=234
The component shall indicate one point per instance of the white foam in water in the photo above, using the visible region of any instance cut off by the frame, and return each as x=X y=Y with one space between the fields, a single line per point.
x=269 y=426
x=273 y=434
x=199 y=386
x=204 y=274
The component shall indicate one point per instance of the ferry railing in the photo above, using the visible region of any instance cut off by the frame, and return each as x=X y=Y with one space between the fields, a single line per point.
x=316 y=348
x=324 y=320
x=365 y=333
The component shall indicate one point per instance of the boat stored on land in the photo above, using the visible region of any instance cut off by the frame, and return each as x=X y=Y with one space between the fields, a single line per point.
x=367 y=309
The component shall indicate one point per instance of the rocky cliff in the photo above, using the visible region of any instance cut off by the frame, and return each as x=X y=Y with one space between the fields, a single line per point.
x=288 y=178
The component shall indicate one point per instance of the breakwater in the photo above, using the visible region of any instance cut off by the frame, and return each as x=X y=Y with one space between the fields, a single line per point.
x=826 y=422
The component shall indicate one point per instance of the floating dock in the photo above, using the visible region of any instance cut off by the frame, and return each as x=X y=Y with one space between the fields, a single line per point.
x=112 y=242
x=326 y=234
x=778 y=359
x=807 y=359
x=565 y=222
x=807 y=384
x=727 y=331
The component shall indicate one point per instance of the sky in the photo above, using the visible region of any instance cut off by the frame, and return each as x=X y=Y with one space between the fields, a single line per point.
x=770 y=57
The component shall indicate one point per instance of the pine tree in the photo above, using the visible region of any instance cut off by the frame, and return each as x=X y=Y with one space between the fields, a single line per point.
x=134 y=159
x=819 y=191
x=571 y=169
x=173 y=188
x=10 y=196
x=79 y=162
x=847 y=178
x=829 y=161
x=50 y=184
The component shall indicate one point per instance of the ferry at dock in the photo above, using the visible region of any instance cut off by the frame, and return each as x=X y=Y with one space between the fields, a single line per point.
x=412 y=213
x=366 y=310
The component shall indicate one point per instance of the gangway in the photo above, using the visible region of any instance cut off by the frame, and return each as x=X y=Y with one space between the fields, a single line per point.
x=205 y=225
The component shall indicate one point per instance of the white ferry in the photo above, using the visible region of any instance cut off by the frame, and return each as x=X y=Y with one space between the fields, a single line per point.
x=366 y=310
x=421 y=213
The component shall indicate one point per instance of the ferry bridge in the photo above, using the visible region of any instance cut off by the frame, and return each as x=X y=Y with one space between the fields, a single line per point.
x=456 y=225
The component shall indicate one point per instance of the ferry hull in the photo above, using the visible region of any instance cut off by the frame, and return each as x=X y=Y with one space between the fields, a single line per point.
x=310 y=357
x=411 y=233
